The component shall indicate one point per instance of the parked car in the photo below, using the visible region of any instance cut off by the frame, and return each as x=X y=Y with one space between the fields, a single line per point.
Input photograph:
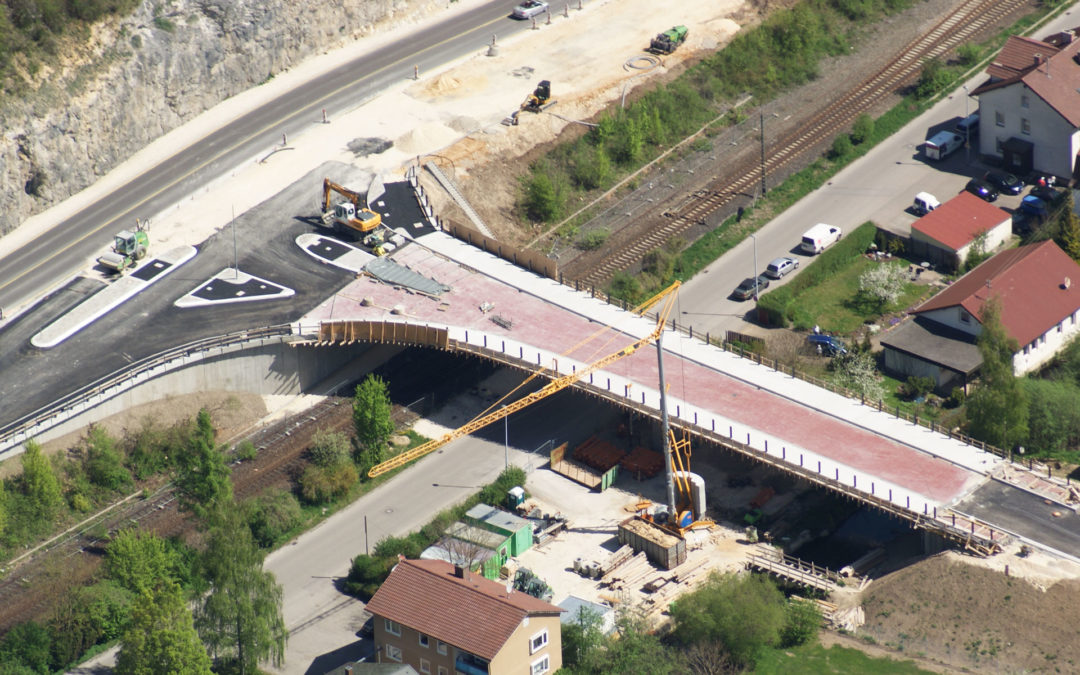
x=780 y=267
x=1033 y=205
x=530 y=8
x=924 y=203
x=982 y=189
x=1045 y=193
x=826 y=345
x=1005 y=182
x=745 y=290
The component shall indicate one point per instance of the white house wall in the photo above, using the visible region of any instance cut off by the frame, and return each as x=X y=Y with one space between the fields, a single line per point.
x=1055 y=140
x=1043 y=348
x=950 y=316
x=995 y=238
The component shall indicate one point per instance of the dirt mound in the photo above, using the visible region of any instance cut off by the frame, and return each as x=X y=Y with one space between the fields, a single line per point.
x=971 y=617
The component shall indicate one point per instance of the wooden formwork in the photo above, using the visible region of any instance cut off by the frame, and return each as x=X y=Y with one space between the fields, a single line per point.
x=384 y=332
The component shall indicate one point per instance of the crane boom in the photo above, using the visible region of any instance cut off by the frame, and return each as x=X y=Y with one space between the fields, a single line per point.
x=555 y=385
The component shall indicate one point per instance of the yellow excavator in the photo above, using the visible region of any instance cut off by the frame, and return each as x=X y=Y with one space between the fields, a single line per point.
x=494 y=414
x=350 y=217
x=535 y=102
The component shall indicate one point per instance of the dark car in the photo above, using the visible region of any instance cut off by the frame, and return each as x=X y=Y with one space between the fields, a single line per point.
x=745 y=290
x=826 y=345
x=1045 y=193
x=1033 y=205
x=981 y=189
x=1005 y=182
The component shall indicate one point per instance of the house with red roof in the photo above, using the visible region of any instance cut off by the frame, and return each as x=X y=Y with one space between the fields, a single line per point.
x=959 y=225
x=442 y=619
x=1029 y=108
x=1036 y=287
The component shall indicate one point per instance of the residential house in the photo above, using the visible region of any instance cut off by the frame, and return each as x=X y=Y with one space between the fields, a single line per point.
x=949 y=233
x=361 y=668
x=1040 y=307
x=1029 y=108
x=442 y=619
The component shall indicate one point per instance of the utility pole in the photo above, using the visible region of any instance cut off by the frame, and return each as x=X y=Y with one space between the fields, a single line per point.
x=754 y=237
x=762 y=113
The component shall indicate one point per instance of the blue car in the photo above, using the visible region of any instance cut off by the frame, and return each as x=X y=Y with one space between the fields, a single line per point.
x=1033 y=205
x=826 y=345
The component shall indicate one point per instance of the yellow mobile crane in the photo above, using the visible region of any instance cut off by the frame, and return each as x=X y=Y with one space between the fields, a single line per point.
x=555 y=385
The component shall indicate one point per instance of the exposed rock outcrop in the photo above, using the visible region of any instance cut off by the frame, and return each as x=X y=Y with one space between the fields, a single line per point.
x=144 y=75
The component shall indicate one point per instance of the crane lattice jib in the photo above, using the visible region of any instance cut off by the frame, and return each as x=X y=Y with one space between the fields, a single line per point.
x=555 y=385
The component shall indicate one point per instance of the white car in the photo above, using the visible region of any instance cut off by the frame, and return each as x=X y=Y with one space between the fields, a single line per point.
x=530 y=8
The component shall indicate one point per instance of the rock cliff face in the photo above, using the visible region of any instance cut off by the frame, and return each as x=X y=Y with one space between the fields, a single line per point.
x=141 y=76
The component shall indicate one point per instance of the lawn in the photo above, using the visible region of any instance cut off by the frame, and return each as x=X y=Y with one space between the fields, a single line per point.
x=814 y=659
x=835 y=304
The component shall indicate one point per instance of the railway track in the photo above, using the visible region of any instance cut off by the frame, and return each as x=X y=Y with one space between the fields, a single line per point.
x=965 y=21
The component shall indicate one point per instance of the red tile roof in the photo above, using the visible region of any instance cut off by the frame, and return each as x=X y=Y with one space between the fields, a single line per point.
x=476 y=615
x=1018 y=56
x=958 y=221
x=1038 y=285
x=1055 y=80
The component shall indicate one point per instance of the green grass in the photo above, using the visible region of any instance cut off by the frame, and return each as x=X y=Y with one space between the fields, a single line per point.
x=813 y=659
x=835 y=304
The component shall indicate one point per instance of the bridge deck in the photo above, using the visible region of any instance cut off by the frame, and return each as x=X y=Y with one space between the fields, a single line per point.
x=548 y=322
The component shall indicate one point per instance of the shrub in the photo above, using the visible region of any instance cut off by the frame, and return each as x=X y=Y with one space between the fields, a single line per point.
x=802 y=622
x=918 y=387
x=366 y=574
x=246 y=450
x=592 y=240
x=841 y=147
x=329 y=448
x=543 y=201
x=863 y=129
x=933 y=78
x=104 y=465
x=320 y=485
x=272 y=516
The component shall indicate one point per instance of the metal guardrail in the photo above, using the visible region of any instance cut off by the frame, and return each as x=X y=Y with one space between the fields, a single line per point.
x=20 y=430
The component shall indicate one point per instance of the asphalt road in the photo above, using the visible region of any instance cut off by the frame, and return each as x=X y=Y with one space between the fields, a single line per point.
x=63 y=250
x=1025 y=515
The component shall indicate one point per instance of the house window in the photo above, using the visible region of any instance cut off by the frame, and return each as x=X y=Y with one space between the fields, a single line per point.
x=440 y=646
x=1025 y=125
x=538 y=642
x=425 y=666
x=1024 y=102
x=393 y=653
x=965 y=317
x=443 y=670
x=1027 y=348
x=423 y=640
x=1042 y=339
x=998 y=144
x=392 y=627
x=1061 y=326
x=541 y=665
x=999 y=119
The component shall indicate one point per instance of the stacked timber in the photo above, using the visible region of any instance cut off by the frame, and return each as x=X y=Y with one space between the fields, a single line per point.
x=616 y=559
x=630 y=574
x=598 y=454
x=643 y=463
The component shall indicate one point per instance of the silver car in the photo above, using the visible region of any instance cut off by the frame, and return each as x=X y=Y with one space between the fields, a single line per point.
x=781 y=266
x=530 y=8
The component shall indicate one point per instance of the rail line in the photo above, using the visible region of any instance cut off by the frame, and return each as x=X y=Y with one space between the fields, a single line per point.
x=961 y=24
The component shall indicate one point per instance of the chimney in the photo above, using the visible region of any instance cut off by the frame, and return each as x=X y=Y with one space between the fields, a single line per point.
x=1067 y=283
x=1038 y=60
x=509 y=587
x=348 y=669
x=461 y=572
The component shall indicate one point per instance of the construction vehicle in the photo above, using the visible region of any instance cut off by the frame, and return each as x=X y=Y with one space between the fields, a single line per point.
x=351 y=217
x=535 y=102
x=668 y=41
x=128 y=248
x=494 y=413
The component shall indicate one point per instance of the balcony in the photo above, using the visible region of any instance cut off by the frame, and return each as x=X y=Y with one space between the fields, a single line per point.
x=469 y=664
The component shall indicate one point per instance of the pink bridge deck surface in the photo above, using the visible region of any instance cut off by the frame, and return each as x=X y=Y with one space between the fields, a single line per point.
x=558 y=330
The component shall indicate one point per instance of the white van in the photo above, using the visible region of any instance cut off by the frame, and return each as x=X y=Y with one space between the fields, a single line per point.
x=818 y=237
x=925 y=203
x=943 y=144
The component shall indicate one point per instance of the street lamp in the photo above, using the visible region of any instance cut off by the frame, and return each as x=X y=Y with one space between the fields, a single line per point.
x=754 y=237
x=967 y=127
x=506 y=441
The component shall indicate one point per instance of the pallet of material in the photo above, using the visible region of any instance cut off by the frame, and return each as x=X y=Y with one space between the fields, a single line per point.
x=617 y=558
x=643 y=463
x=598 y=454
x=572 y=470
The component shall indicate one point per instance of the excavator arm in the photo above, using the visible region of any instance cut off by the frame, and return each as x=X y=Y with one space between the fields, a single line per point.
x=555 y=385
x=328 y=187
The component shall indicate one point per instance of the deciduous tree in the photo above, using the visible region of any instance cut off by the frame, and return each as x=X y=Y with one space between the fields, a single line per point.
x=161 y=637
x=39 y=482
x=202 y=477
x=997 y=410
x=372 y=421
x=139 y=560
x=240 y=619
